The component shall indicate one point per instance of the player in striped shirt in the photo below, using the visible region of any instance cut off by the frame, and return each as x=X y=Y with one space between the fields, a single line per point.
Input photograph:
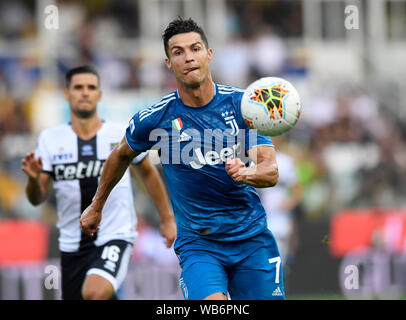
x=71 y=156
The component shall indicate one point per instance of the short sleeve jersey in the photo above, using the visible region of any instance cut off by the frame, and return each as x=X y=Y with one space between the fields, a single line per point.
x=75 y=166
x=193 y=143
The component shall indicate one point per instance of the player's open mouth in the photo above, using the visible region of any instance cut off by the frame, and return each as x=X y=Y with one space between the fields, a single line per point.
x=189 y=70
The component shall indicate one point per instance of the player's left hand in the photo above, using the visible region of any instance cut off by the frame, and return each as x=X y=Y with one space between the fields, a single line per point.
x=168 y=230
x=236 y=169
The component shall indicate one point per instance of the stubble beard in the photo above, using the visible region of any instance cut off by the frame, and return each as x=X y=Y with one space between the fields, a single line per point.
x=84 y=114
x=194 y=85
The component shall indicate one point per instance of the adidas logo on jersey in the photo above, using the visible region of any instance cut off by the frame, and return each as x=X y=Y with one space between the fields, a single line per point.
x=79 y=170
x=184 y=137
x=277 y=292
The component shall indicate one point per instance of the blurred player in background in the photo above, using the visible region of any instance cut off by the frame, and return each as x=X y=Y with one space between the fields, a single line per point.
x=72 y=155
x=279 y=203
x=223 y=243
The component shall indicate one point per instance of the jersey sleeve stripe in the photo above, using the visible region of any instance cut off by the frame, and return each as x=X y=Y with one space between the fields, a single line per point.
x=163 y=101
x=147 y=114
x=230 y=92
x=262 y=145
x=229 y=88
x=226 y=88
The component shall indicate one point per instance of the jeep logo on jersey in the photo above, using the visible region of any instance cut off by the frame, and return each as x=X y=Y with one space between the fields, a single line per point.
x=213 y=157
x=211 y=148
x=79 y=170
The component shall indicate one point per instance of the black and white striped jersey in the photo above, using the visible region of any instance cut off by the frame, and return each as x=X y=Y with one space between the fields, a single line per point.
x=75 y=166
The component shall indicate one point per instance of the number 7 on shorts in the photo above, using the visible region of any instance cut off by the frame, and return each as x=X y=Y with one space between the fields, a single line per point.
x=278 y=265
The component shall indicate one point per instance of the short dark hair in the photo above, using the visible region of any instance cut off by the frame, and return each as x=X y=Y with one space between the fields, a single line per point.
x=78 y=70
x=179 y=25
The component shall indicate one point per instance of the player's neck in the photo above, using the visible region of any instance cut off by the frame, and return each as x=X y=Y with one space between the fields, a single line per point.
x=197 y=97
x=86 y=128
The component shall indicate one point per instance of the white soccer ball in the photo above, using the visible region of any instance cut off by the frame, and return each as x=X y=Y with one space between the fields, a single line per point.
x=271 y=105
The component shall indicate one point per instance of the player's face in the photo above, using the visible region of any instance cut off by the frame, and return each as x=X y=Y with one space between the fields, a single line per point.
x=189 y=59
x=83 y=94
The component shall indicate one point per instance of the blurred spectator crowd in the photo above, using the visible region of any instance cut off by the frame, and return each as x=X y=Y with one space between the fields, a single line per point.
x=349 y=147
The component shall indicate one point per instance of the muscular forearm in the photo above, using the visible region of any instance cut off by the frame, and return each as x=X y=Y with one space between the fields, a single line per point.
x=262 y=175
x=113 y=170
x=35 y=193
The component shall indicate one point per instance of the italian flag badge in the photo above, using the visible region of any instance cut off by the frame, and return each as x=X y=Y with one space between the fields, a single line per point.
x=177 y=124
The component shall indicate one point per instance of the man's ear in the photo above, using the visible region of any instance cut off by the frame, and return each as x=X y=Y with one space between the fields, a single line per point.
x=66 y=93
x=210 y=53
x=100 y=95
x=168 y=63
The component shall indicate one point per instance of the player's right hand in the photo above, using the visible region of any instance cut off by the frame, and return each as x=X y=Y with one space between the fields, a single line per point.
x=31 y=166
x=90 y=220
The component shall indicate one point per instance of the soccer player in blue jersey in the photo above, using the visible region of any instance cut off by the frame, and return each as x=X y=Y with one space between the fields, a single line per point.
x=223 y=243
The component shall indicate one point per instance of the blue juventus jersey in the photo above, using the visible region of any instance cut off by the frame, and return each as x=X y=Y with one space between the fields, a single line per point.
x=193 y=143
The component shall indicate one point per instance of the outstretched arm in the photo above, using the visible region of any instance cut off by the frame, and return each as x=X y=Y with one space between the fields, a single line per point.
x=38 y=181
x=262 y=175
x=113 y=170
x=156 y=189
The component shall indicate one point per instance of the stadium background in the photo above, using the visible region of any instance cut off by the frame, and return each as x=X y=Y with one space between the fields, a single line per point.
x=350 y=142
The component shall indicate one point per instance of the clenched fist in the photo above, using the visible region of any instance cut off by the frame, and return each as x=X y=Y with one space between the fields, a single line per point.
x=90 y=220
x=236 y=169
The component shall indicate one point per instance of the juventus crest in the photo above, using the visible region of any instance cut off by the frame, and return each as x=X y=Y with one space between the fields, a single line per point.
x=228 y=117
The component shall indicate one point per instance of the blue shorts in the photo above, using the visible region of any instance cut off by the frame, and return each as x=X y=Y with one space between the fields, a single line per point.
x=248 y=269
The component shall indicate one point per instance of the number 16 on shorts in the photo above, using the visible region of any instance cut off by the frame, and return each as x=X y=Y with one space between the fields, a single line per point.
x=112 y=255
